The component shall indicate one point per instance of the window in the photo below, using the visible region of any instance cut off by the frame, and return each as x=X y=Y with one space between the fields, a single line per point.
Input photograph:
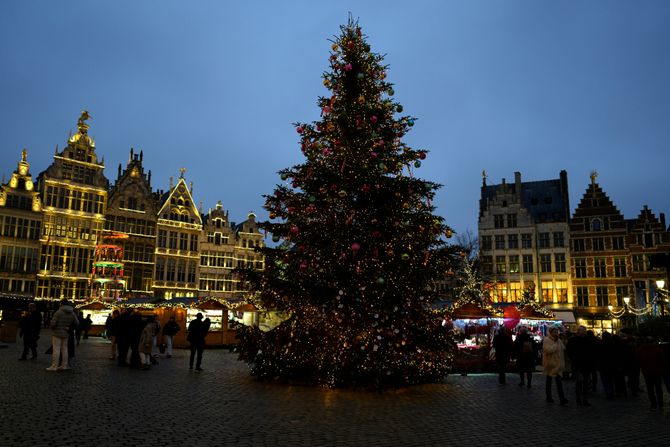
x=501 y=293
x=513 y=241
x=528 y=263
x=639 y=263
x=543 y=240
x=511 y=220
x=640 y=292
x=183 y=241
x=578 y=245
x=500 y=241
x=621 y=292
x=545 y=263
x=171 y=267
x=599 y=268
x=172 y=239
x=620 y=267
x=580 y=268
x=559 y=240
x=514 y=291
x=547 y=295
x=526 y=240
x=559 y=260
x=514 y=264
x=193 y=245
x=562 y=291
x=596 y=224
x=162 y=238
x=500 y=265
x=160 y=269
x=582 y=296
x=498 y=221
x=487 y=265
x=601 y=296
x=617 y=243
x=598 y=244
x=487 y=243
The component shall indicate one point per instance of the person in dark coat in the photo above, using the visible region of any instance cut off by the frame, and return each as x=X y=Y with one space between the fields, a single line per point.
x=123 y=336
x=581 y=355
x=607 y=356
x=197 y=331
x=135 y=326
x=502 y=343
x=525 y=352
x=86 y=325
x=30 y=325
x=652 y=363
x=169 y=331
x=112 y=329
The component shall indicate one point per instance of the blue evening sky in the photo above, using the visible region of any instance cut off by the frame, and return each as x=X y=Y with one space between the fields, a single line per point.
x=213 y=86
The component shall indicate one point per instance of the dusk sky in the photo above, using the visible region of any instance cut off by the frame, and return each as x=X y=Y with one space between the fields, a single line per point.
x=214 y=86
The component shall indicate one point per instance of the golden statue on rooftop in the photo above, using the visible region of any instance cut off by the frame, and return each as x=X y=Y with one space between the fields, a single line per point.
x=82 y=127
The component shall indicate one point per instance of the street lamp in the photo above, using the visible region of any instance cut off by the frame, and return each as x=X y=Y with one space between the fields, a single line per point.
x=660 y=292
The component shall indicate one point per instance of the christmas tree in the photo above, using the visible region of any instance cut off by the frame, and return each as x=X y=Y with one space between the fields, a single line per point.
x=361 y=249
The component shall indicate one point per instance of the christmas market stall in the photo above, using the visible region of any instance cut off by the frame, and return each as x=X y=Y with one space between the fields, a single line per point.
x=98 y=311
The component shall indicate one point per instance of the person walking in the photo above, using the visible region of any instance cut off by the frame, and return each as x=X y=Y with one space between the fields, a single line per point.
x=525 y=352
x=30 y=325
x=502 y=343
x=581 y=356
x=652 y=361
x=112 y=329
x=170 y=329
x=197 y=331
x=145 y=343
x=553 y=362
x=62 y=322
x=607 y=356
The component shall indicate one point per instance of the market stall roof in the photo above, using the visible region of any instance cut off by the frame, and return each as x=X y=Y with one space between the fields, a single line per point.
x=246 y=308
x=209 y=304
x=94 y=305
x=530 y=312
x=473 y=310
x=567 y=316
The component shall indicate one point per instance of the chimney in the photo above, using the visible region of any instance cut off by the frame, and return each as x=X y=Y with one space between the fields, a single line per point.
x=517 y=184
x=662 y=217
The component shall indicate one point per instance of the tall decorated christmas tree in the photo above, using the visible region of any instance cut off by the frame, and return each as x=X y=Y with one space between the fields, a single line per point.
x=361 y=249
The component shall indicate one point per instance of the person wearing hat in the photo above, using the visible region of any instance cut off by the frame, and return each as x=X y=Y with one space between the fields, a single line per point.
x=197 y=331
x=63 y=320
x=553 y=363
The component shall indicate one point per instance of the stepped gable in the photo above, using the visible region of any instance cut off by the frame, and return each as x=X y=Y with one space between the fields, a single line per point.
x=647 y=220
x=596 y=204
x=133 y=183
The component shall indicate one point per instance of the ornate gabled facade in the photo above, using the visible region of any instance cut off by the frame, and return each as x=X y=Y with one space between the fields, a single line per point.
x=217 y=255
x=600 y=257
x=524 y=237
x=20 y=229
x=177 y=243
x=132 y=209
x=74 y=195
x=647 y=236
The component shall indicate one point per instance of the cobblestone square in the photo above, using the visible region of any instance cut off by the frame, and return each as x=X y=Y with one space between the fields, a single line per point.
x=100 y=404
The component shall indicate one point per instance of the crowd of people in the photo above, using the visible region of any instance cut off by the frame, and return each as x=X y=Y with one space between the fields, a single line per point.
x=613 y=360
x=133 y=336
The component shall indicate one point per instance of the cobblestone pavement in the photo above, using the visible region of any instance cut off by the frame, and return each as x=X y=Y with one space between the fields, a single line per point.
x=100 y=404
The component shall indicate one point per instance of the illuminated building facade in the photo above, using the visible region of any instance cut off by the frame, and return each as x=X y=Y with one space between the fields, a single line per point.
x=74 y=197
x=20 y=229
x=610 y=257
x=132 y=209
x=524 y=240
x=223 y=247
x=177 y=256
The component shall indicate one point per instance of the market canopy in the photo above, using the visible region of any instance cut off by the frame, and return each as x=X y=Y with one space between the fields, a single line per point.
x=473 y=310
x=530 y=312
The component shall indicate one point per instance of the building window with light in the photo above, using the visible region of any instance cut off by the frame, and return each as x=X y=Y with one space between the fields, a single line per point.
x=501 y=293
x=514 y=264
x=528 y=263
x=582 y=296
x=500 y=265
x=621 y=292
x=526 y=240
x=562 y=291
x=515 y=291
x=547 y=295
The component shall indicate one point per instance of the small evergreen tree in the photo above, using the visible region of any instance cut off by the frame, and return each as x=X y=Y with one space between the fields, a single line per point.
x=362 y=248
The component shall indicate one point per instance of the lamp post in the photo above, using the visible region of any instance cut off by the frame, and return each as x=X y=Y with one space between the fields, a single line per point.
x=660 y=292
